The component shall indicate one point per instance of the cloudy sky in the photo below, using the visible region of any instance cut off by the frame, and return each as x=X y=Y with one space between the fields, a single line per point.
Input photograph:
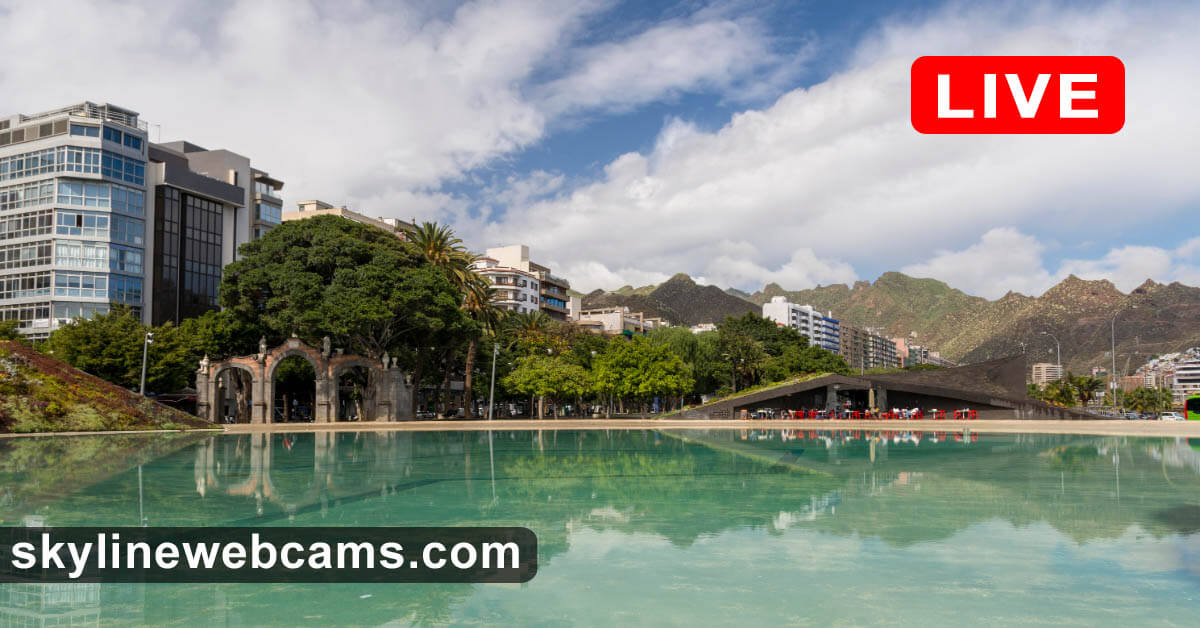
x=739 y=142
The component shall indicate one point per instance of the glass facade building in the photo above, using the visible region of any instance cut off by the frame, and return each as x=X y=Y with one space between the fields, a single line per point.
x=72 y=215
x=188 y=233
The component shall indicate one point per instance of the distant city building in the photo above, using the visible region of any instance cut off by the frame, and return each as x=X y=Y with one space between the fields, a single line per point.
x=1045 y=372
x=703 y=327
x=910 y=353
x=865 y=348
x=1186 y=380
x=822 y=329
x=310 y=209
x=617 y=320
x=552 y=290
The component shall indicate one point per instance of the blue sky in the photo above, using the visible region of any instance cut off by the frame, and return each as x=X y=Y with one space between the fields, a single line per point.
x=740 y=142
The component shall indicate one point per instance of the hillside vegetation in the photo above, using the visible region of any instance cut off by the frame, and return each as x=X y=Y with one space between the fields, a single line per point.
x=1151 y=320
x=41 y=394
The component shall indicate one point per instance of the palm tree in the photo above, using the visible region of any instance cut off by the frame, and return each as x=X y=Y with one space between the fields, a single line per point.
x=1086 y=387
x=444 y=250
x=478 y=305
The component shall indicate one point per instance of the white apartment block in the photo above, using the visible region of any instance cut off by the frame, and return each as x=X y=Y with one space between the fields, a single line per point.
x=1045 y=372
x=822 y=330
x=1186 y=381
x=516 y=290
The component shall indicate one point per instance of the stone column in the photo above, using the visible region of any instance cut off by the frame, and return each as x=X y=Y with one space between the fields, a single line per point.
x=831 y=398
x=881 y=399
x=204 y=397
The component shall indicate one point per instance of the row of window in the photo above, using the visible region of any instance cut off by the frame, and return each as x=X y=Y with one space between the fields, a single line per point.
x=110 y=195
x=25 y=285
x=128 y=140
x=99 y=225
x=98 y=255
x=27 y=224
x=73 y=159
x=116 y=288
x=26 y=195
x=24 y=255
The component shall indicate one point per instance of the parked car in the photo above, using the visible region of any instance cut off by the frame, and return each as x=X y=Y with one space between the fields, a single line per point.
x=1171 y=416
x=1132 y=416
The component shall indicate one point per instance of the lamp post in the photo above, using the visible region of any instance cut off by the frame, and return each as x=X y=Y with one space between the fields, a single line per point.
x=1058 y=348
x=492 y=393
x=1113 y=378
x=146 y=342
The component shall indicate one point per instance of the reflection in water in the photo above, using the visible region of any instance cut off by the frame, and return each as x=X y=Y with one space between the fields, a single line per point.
x=654 y=527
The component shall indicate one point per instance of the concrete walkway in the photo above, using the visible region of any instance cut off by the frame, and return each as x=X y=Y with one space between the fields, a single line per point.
x=1104 y=428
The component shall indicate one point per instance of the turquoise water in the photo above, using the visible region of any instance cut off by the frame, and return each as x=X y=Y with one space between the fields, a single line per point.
x=668 y=528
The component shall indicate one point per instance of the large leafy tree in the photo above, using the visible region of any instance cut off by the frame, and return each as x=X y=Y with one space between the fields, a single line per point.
x=368 y=290
x=639 y=370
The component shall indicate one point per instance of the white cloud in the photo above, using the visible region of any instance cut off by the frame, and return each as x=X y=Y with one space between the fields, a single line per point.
x=835 y=171
x=670 y=57
x=375 y=104
x=1005 y=259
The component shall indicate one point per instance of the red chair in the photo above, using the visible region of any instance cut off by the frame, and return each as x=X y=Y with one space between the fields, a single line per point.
x=972 y=415
x=940 y=416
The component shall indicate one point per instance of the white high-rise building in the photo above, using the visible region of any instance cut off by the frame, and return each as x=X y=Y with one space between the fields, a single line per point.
x=822 y=330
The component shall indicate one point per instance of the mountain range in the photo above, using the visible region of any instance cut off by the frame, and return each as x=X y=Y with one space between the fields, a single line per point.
x=1151 y=320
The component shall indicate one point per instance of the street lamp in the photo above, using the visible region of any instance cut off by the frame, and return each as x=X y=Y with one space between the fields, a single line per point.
x=1058 y=347
x=1113 y=385
x=492 y=393
x=147 y=341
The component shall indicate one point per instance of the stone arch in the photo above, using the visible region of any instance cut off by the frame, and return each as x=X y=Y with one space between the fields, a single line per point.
x=294 y=347
x=215 y=383
x=337 y=367
x=388 y=384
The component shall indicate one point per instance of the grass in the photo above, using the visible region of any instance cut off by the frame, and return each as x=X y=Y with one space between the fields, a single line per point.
x=747 y=391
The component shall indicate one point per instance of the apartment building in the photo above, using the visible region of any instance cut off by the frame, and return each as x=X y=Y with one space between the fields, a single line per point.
x=72 y=214
x=309 y=209
x=515 y=290
x=92 y=214
x=822 y=329
x=1046 y=372
x=909 y=354
x=552 y=290
x=618 y=320
x=865 y=348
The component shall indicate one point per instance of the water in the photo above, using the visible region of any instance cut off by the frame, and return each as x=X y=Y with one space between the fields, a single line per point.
x=672 y=528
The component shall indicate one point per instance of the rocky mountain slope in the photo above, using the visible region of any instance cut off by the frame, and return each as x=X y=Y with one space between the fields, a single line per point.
x=1153 y=319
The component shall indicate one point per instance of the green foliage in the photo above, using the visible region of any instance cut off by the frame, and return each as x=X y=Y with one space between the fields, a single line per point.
x=549 y=376
x=9 y=330
x=370 y=291
x=108 y=346
x=640 y=369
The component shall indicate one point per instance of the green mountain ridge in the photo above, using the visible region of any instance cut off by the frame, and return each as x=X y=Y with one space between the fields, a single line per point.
x=1153 y=319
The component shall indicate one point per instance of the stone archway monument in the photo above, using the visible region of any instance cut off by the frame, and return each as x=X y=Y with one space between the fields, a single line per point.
x=387 y=385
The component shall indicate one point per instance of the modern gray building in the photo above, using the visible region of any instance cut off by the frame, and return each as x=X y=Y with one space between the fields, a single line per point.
x=92 y=214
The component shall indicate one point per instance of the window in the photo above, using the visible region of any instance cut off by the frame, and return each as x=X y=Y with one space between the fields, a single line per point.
x=26 y=195
x=86 y=285
x=86 y=224
x=65 y=312
x=267 y=212
x=134 y=142
x=126 y=289
x=100 y=194
x=29 y=314
x=25 y=255
x=26 y=225
x=128 y=230
x=125 y=259
x=112 y=135
x=25 y=285
x=81 y=254
x=85 y=130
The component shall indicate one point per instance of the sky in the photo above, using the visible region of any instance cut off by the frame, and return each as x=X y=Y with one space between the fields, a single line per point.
x=740 y=142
